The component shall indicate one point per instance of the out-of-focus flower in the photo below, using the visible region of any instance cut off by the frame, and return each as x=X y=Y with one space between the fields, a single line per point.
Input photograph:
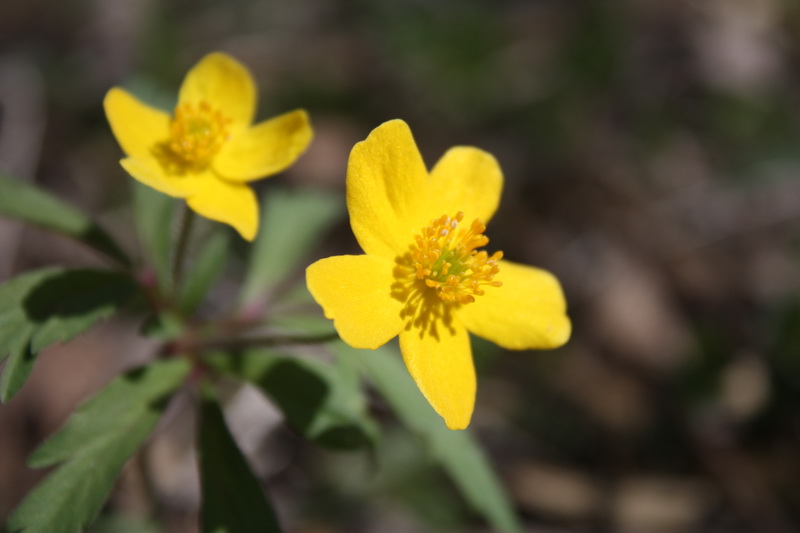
x=208 y=149
x=422 y=276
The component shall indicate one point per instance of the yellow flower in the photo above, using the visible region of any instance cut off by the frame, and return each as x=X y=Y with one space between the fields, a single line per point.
x=422 y=276
x=208 y=150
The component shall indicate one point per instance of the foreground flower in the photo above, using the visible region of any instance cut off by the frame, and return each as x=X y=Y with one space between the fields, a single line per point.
x=207 y=150
x=423 y=277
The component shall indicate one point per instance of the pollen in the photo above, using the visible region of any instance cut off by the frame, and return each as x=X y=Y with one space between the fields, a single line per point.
x=446 y=259
x=197 y=132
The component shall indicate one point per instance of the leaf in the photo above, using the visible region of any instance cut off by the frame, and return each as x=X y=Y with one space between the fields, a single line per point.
x=205 y=269
x=52 y=305
x=31 y=204
x=292 y=223
x=70 y=497
x=18 y=367
x=13 y=320
x=165 y=326
x=233 y=500
x=123 y=401
x=71 y=302
x=124 y=524
x=154 y=213
x=456 y=451
x=321 y=401
x=93 y=446
x=16 y=332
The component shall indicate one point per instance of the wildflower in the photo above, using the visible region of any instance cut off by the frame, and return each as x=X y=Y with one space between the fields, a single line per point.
x=423 y=277
x=208 y=150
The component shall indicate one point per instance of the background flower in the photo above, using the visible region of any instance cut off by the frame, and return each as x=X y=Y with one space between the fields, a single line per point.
x=208 y=151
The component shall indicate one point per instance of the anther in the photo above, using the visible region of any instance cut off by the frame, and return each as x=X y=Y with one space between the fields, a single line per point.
x=197 y=132
x=448 y=262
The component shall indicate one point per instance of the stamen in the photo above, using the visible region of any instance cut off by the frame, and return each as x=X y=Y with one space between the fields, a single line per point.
x=197 y=132
x=447 y=260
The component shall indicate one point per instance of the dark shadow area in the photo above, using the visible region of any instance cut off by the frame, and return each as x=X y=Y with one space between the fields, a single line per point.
x=299 y=392
x=423 y=311
x=344 y=438
x=74 y=293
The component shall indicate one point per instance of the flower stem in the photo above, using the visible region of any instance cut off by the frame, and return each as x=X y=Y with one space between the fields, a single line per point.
x=187 y=221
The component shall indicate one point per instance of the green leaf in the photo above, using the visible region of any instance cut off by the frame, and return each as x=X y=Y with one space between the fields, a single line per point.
x=154 y=212
x=165 y=326
x=16 y=331
x=13 y=319
x=322 y=401
x=18 y=367
x=205 y=269
x=456 y=451
x=124 y=524
x=120 y=404
x=72 y=301
x=52 y=305
x=94 y=445
x=30 y=204
x=233 y=500
x=292 y=223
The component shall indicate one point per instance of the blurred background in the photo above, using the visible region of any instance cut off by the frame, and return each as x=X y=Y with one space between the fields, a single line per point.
x=652 y=160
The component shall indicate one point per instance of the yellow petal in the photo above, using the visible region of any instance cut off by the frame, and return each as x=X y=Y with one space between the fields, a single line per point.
x=442 y=366
x=356 y=292
x=150 y=172
x=266 y=148
x=230 y=203
x=224 y=83
x=466 y=179
x=137 y=126
x=386 y=180
x=527 y=312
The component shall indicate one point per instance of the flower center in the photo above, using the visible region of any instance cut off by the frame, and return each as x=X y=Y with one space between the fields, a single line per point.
x=197 y=132
x=446 y=259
